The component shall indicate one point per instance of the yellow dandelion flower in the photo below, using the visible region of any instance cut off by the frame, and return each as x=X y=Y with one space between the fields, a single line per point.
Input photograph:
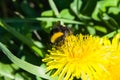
x=80 y=56
x=114 y=65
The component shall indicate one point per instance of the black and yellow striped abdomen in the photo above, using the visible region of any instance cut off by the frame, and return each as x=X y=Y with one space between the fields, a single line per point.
x=55 y=36
x=58 y=34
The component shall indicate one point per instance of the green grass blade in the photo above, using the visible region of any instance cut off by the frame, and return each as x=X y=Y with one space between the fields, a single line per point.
x=111 y=34
x=59 y=19
x=54 y=8
x=38 y=71
x=21 y=38
x=51 y=19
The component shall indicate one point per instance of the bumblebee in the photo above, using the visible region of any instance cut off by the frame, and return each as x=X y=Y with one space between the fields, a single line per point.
x=58 y=34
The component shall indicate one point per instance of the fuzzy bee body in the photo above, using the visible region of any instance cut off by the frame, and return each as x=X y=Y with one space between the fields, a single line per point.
x=58 y=34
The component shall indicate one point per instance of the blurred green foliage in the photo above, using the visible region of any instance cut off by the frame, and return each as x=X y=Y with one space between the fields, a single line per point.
x=25 y=26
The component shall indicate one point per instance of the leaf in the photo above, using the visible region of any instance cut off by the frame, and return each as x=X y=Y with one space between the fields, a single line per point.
x=101 y=28
x=6 y=71
x=102 y=5
x=38 y=71
x=76 y=6
x=110 y=22
x=47 y=13
x=114 y=10
x=91 y=30
x=111 y=34
x=66 y=14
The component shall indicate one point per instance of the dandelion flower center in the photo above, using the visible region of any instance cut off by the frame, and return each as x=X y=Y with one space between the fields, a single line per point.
x=80 y=56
